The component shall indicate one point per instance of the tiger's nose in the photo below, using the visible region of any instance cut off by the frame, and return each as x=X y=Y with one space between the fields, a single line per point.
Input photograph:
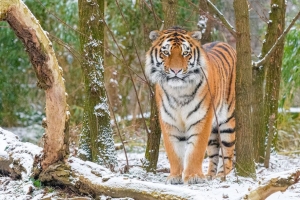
x=175 y=70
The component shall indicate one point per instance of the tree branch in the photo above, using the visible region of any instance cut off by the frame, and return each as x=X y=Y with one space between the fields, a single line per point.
x=261 y=62
x=219 y=15
x=279 y=183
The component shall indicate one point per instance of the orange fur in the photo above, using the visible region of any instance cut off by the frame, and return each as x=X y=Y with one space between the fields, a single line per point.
x=176 y=63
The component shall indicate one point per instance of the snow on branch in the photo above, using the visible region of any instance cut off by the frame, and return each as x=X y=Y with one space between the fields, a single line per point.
x=275 y=183
x=280 y=39
x=16 y=157
x=219 y=15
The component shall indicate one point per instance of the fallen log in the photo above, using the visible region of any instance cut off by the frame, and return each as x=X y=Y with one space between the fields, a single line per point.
x=275 y=183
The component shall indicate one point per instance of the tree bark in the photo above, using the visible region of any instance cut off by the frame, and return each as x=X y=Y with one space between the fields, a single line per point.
x=244 y=143
x=267 y=83
x=275 y=28
x=96 y=142
x=49 y=75
x=153 y=138
x=169 y=13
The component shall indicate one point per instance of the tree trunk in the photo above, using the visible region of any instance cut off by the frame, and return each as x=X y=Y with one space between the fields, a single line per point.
x=244 y=142
x=153 y=138
x=205 y=29
x=276 y=26
x=49 y=75
x=96 y=142
x=266 y=83
x=169 y=13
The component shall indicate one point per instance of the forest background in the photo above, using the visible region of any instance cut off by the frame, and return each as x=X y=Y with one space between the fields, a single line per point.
x=127 y=26
x=22 y=103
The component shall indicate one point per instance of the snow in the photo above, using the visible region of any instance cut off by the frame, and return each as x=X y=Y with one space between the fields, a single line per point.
x=10 y=144
x=233 y=188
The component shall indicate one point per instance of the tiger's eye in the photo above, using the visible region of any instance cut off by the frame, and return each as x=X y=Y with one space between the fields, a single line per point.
x=166 y=53
x=185 y=53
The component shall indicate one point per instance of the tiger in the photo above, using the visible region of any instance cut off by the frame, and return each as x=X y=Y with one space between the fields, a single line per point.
x=190 y=82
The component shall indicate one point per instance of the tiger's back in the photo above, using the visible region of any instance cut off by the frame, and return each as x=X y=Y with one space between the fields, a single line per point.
x=179 y=66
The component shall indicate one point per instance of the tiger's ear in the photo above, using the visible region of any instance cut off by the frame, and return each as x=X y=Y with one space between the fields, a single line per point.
x=196 y=35
x=153 y=35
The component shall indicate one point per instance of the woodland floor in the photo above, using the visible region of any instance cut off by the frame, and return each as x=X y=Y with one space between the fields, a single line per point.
x=233 y=188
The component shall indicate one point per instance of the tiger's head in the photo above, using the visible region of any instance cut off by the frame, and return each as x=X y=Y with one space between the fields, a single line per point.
x=174 y=58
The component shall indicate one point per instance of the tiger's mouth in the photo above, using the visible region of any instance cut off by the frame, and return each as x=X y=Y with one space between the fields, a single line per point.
x=174 y=78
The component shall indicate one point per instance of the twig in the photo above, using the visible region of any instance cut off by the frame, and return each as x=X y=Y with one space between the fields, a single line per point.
x=129 y=71
x=126 y=168
x=60 y=20
x=261 y=62
x=221 y=17
x=135 y=48
x=218 y=14
x=154 y=14
x=215 y=113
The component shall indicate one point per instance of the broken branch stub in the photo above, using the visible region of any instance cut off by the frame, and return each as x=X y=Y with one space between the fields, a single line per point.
x=49 y=75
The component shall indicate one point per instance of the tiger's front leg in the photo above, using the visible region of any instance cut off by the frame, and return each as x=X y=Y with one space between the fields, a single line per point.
x=175 y=149
x=195 y=150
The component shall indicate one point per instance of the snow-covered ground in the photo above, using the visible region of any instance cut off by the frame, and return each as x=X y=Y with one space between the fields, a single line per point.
x=233 y=188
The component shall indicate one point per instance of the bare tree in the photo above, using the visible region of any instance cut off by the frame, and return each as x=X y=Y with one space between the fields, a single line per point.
x=49 y=75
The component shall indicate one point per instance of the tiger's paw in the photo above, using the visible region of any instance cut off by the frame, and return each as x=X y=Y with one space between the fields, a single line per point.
x=194 y=179
x=211 y=175
x=174 y=179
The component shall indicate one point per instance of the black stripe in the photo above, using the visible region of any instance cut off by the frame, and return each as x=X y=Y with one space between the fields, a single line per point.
x=213 y=142
x=192 y=136
x=193 y=93
x=215 y=53
x=168 y=98
x=151 y=52
x=224 y=58
x=228 y=50
x=214 y=155
x=225 y=157
x=172 y=125
x=196 y=108
x=228 y=119
x=191 y=143
x=197 y=121
x=179 y=138
x=229 y=130
x=153 y=70
x=166 y=111
x=156 y=55
x=228 y=144
x=198 y=56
